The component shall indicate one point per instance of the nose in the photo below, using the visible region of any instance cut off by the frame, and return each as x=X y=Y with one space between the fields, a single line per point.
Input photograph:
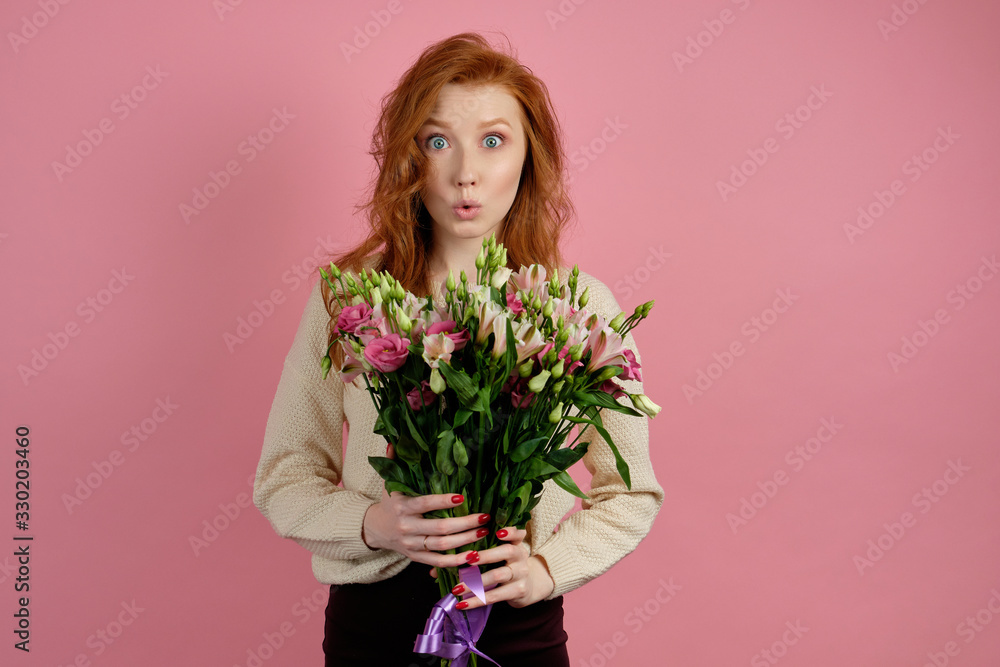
x=466 y=169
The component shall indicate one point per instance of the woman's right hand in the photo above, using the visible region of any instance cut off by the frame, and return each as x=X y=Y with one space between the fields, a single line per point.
x=396 y=522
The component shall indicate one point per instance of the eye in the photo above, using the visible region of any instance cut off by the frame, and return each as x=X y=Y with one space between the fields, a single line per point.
x=493 y=140
x=437 y=142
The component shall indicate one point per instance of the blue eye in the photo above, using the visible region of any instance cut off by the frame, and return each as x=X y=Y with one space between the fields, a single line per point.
x=498 y=138
x=437 y=141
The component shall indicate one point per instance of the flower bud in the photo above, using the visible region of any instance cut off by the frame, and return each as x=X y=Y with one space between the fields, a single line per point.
x=524 y=370
x=405 y=323
x=558 y=370
x=398 y=292
x=437 y=381
x=537 y=383
x=464 y=277
x=643 y=404
x=576 y=352
x=334 y=271
x=557 y=387
x=556 y=415
x=480 y=260
x=450 y=282
x=327 y=364
x=616 y=323
x=585 y=297
x=608 y=373
x=385 y=291
x=548 y=309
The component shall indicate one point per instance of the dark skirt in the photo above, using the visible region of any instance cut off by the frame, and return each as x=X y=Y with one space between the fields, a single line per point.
x=377 y=623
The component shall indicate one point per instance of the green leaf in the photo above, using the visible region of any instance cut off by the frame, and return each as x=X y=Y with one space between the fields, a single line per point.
x=565 y=457
x=460 y=382
x=459 y=452
x=444 y=456
x=388 y=469
x=619 y=461
x=540 y=468
x=526 y=448
x=391 y=486
x=415 y=432
x=461 y=416
x=565 y=481
x=407 y=449
x=603 y=399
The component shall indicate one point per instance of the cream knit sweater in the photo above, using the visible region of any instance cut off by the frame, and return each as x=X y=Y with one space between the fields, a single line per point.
x=304 y=461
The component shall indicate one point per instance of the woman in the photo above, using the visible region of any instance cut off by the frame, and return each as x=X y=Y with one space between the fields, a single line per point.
x=467 y=145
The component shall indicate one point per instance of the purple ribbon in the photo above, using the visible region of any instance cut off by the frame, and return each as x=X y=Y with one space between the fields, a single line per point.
x=447 y=634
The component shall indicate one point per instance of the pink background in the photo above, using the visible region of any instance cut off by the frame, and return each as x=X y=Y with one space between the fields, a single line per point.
x=651 y=136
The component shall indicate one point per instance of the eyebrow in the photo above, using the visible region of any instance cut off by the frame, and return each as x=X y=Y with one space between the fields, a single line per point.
x=485 y=123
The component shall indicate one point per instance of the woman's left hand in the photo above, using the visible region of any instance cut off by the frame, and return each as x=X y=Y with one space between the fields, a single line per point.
x=522 y=581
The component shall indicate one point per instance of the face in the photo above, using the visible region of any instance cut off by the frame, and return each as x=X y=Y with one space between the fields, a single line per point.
x=476 y=146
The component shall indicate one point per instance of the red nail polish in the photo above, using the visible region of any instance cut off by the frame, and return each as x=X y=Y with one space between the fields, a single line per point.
x=457 y=499
x=482 y=532
x=462 y=605
x=502 y=534
x=387 y=449
x=483 y=518
x=472 y=557
x=457 y=589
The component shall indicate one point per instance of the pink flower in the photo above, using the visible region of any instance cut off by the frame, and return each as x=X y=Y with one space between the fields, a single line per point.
x=353 y=365
x=515 y=305
x=387 y=353
x=438 y=348
x=529 y=278
x=447 y=327
x=352 y=318
x=521 y=396
x=422 y=396
x=633 y=370
x=499 y=336
x=607 y=346
x=611 y=387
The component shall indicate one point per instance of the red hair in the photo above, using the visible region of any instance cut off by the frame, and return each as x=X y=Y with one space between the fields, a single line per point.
x=400 y=238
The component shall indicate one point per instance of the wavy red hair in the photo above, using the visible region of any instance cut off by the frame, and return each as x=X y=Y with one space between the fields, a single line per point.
x=400 y=229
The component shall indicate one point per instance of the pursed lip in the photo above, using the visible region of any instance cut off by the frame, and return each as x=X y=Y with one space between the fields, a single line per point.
x=467 y=203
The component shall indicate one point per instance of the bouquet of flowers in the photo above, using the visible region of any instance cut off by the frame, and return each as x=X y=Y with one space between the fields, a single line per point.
x=475 y=394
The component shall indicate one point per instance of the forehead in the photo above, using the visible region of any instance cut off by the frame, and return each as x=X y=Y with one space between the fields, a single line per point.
x=459 y=104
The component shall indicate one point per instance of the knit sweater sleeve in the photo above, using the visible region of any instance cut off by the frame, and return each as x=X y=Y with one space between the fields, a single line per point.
x=614 y=519
x=301 y=464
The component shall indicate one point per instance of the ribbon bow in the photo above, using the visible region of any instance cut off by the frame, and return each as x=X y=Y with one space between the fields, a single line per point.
x=447 y=634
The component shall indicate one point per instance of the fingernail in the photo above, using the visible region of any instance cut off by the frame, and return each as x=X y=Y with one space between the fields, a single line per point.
x=472 y=557
x=502 y=534
x=387 y=448
x=457 y=499
x=482 y=532
x=457 y=589
x=462 y=605
x=483 y=518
